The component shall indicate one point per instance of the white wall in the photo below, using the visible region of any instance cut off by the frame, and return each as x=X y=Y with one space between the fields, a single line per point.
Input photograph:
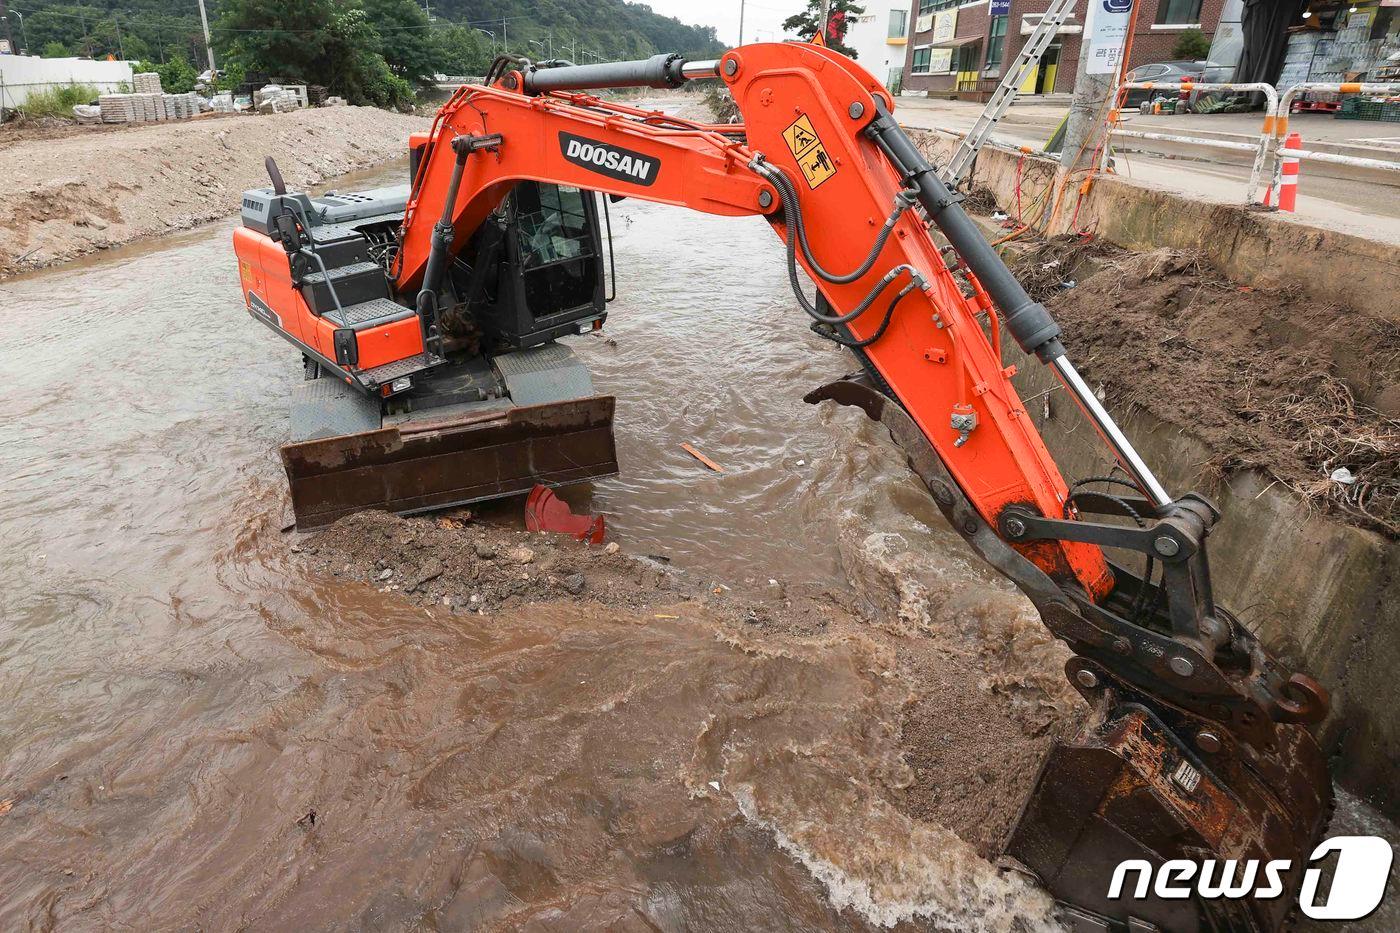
x=869 y=33
x=22 y=75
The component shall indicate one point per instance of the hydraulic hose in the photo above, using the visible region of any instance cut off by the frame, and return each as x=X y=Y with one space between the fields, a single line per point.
x=904 y=200
x=792 y=219
x=879 y=331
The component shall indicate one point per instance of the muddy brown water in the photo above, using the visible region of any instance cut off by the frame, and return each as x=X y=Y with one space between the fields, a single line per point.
x=199 y=734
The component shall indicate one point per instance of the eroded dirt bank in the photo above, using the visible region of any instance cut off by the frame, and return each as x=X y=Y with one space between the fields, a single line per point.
x=1267 y=379
x=66 y=194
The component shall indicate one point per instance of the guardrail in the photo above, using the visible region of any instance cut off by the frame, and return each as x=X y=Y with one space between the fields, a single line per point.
x=1274 y=129
x=1270 y=105
x=1283 y=108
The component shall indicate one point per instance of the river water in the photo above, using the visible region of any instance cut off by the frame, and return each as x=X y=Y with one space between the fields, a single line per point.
x=200 y=735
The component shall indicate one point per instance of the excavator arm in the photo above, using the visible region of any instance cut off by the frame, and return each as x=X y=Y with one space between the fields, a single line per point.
x=1196 y=743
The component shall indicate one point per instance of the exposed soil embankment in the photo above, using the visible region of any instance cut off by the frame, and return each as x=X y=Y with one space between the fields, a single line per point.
x=66 y=194
x=1268 y=379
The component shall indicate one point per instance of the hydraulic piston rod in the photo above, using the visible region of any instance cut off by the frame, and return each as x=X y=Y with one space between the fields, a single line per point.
x=660 y=71
x=1028 y=321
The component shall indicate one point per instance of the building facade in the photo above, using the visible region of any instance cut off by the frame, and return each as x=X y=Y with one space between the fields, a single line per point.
x=880 y=37
x=963 y=49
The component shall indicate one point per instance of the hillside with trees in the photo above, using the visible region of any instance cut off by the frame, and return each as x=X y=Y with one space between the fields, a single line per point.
x=368 y=51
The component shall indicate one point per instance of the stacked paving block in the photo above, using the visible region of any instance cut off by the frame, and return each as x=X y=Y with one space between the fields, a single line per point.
x=147 y=82
x=147 y=106
x=117 y=108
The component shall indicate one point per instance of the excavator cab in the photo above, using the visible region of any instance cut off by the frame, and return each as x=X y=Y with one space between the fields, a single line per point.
x=492 y=406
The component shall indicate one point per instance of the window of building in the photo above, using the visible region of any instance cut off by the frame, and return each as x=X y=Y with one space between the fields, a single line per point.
x=996 y=43
x=899 y=23
x=1178 y=12
x=922 y=59
x=933 y=6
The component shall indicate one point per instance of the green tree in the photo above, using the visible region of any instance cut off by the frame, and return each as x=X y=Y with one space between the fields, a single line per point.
x=282 y=38
x=1191 y=45
x=351 y=65
x=405 y=39
x=54 y=49
x=841 y=11
x=176 y=75
x=461 y=51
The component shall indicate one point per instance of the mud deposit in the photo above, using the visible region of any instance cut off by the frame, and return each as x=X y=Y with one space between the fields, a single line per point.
x=856 y=746
x=1277 y=381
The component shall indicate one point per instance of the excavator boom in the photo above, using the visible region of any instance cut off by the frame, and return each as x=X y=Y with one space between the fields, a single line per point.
x=1196 y=742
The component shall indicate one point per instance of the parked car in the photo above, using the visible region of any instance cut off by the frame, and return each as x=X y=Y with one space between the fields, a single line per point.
x=1163 y=73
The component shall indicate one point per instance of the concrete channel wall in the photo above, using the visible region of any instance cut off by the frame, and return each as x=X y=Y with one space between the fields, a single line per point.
x=1320 y=591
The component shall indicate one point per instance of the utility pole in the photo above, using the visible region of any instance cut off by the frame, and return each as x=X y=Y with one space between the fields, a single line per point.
x=505 y=39
x=1096 y=77
x=121 y=47
x=208 y=46
x=741 y=20
x=824 y=19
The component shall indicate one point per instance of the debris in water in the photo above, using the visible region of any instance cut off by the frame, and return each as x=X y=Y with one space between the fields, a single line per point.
x=702 y=458
x=544 y=511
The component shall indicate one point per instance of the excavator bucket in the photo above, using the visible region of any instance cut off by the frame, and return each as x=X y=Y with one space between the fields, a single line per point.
x=437 y=461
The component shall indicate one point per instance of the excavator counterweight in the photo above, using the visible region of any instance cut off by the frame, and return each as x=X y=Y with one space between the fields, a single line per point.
x=430 y=321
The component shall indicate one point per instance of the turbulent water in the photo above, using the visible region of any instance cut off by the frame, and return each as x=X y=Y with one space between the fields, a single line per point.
x=200 y=734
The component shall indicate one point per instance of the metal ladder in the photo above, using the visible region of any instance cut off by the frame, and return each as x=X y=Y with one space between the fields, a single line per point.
x=1005 y=94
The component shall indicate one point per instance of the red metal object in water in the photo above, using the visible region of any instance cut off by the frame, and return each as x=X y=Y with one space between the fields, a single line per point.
x=544 y=511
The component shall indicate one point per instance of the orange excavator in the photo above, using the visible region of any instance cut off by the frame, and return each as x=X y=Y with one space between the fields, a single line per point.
x=430 y=319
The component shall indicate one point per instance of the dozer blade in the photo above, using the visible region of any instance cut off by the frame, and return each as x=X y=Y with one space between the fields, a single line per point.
x=1142 y=779
x=433 y=464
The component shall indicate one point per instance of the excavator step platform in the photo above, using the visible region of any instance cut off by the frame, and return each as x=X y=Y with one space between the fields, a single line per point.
x=369 y=314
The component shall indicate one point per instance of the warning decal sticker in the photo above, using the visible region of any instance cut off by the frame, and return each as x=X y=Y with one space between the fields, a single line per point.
x=807 y=148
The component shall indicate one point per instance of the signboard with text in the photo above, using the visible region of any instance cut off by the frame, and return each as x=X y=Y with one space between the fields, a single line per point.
x=1000 y=8
x=1106 y=32
x=940 y=61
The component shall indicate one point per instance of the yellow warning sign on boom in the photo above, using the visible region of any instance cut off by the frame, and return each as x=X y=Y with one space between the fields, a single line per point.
x=807 y=148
